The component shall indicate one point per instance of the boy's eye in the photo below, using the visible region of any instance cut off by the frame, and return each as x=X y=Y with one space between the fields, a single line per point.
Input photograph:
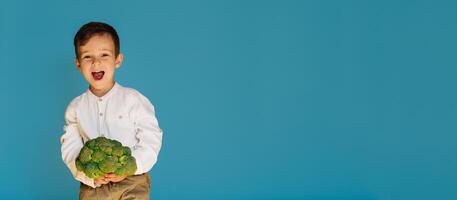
x=105 y=55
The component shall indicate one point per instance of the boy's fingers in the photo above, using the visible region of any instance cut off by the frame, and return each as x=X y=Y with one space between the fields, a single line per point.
x=110 y=175
x=102 y=180
x=117 y=179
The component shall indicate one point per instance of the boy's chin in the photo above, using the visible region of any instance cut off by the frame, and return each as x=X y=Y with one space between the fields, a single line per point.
x=100 y=84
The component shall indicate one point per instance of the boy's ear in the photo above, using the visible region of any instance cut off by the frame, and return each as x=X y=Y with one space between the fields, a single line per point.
x=119 y=59
x=78 y=65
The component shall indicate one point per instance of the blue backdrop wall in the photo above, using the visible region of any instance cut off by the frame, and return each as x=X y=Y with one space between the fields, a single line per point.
x=257 y=99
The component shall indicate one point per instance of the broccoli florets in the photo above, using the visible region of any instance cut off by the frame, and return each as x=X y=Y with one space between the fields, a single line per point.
x=101 y=155
x=79 y=166
x=98 y=156
x=92 y=171
x=85 y=155
x=118 y=151
x=109 y=165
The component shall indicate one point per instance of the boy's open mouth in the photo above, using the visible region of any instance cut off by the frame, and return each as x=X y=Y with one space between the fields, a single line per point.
x=98 y=75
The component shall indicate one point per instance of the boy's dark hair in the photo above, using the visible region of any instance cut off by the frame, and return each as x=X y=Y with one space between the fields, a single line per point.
x=95 y=28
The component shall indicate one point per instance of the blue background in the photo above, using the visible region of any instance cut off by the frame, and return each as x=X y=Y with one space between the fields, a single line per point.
x=257 y=99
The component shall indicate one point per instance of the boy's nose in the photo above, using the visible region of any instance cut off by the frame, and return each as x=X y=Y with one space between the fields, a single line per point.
x=96 y=62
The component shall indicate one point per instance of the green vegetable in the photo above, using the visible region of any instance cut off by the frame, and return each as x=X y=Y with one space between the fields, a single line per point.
x=101 y=156
x=109 y=164
x=85 y=155
x=92 y=171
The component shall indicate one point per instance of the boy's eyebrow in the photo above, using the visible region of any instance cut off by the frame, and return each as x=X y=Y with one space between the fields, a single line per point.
x=83 y=52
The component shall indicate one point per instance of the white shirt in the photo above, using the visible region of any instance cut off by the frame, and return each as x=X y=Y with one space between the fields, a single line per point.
x=123 y=114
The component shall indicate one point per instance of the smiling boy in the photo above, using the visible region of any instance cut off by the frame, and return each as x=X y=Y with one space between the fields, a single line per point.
x=110 y=110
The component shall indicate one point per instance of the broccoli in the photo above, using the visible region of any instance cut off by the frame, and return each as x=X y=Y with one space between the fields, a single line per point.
x=128 y=166
x=118 y=151
x=79 y=166
x=92 y=171
x=101 y=156
x=98 y=156
x=85 y=155
x=108 y=165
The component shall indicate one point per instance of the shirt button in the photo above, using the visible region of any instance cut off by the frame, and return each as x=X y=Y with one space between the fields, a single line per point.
x=100 y=99
x=101 y=114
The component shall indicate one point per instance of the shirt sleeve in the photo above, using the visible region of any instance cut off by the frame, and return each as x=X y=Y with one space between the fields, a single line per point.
x=147 y=133
x=72 y=143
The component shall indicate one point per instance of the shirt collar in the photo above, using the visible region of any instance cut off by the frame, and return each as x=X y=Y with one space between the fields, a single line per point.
x=107 y=95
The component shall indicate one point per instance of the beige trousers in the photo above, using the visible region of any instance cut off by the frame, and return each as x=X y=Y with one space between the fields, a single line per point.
x=132 y=187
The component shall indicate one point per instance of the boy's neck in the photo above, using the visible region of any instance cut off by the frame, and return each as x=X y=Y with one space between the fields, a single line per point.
x=101 y=92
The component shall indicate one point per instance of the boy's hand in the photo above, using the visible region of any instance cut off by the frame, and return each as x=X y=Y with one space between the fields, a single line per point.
x=113 y=178
x=100 y=181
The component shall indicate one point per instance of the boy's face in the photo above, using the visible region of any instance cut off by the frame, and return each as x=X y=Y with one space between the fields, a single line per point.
x=97 y=62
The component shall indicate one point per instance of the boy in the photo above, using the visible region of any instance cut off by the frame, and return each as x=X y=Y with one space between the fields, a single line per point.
x=110 y=110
